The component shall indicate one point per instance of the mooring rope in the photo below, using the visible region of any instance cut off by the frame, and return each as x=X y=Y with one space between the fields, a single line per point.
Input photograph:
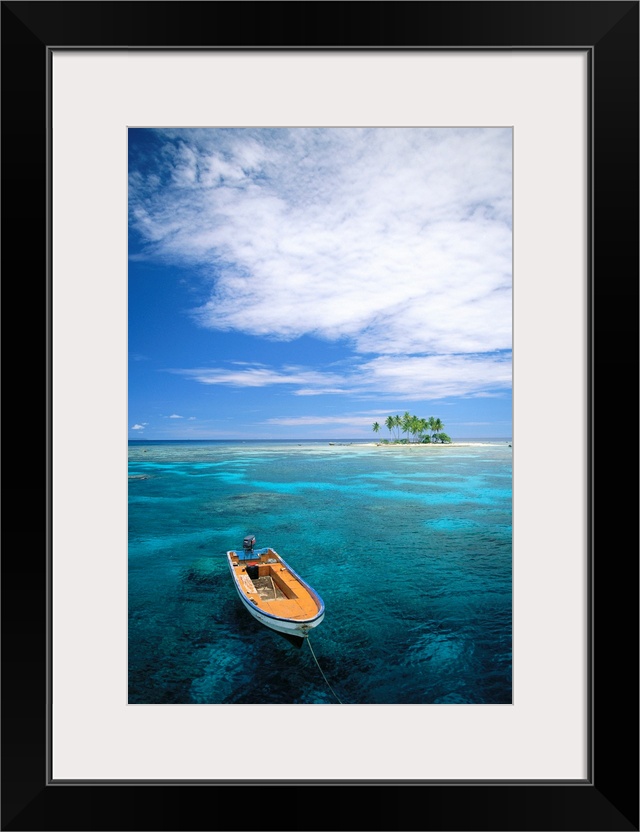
x=320 y=669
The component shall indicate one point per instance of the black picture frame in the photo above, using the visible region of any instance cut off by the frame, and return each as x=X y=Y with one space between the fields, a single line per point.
x=608 y=798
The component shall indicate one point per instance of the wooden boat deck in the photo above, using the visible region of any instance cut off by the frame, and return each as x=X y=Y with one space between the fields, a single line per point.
x=275 y=590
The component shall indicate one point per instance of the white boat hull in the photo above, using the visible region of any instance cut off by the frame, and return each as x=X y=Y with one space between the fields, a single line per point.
x=298 y=628
x=281 y=625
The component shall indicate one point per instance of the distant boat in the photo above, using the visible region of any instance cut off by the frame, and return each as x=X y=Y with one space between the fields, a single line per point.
x=273 y=593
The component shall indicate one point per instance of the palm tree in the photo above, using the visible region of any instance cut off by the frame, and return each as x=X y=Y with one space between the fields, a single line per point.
x=390 y=423
x=424 y=426
x=414 y=427
x=376 y=427
x=437 y=426
x=406 y=423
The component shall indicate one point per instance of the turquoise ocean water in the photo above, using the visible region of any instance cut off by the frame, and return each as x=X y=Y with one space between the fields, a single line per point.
x=410 y=548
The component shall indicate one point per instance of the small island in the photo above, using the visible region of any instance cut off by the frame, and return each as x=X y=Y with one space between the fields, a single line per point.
x=418 y=430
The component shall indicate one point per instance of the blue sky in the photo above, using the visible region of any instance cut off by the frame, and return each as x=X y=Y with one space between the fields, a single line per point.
x=303 y=283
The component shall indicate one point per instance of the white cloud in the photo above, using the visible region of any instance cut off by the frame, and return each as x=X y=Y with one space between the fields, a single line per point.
x=321 y=391
x=438 y=376
x=414 y=377
x=355 y=421
x=258 y=376
x=139 y=427
x=175 y=416
x=397 y=240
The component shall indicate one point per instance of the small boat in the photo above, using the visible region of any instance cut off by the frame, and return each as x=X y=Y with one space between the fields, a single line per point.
x=273 y=593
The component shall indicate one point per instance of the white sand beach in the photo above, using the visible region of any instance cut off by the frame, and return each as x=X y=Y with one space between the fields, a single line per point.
x=434 y=445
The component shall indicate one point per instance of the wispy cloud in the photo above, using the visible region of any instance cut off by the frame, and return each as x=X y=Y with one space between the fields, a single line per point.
x=426 y=377
x=438 y=376
x=346 y=420
x=139 y=427
x=259 y=376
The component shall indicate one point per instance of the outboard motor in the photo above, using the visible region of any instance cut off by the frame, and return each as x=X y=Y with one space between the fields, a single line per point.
x=247 y=544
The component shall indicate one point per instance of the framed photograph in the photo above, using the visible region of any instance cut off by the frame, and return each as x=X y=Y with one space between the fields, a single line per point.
x=97 y=737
